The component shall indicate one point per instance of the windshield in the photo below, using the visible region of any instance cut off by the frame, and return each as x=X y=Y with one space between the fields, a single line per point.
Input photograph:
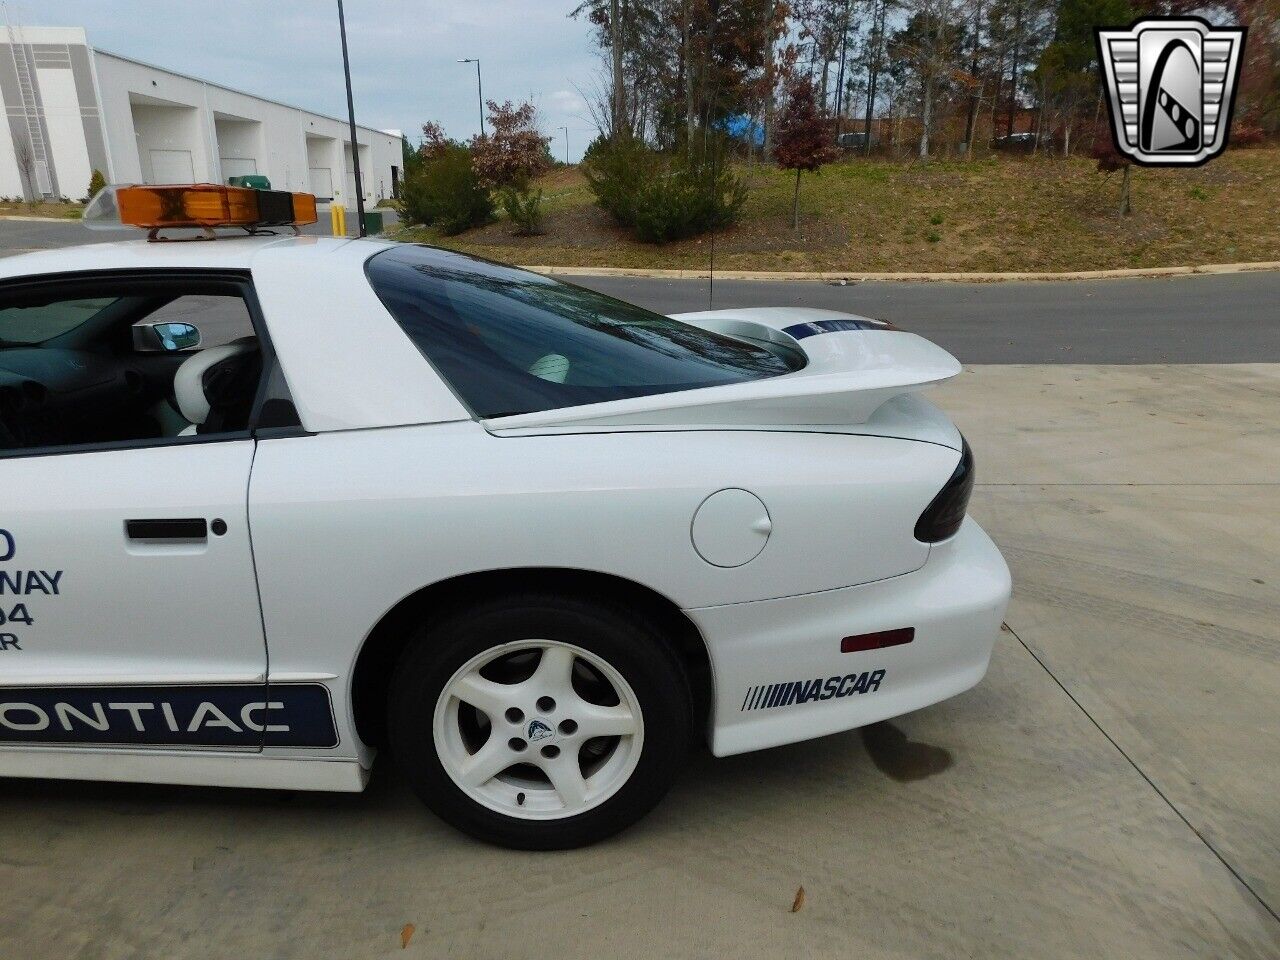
x=509 y=341
x=23 y=326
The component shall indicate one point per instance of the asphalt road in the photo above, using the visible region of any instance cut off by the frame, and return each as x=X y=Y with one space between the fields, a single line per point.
x=1204 y=319
x=1232 y=318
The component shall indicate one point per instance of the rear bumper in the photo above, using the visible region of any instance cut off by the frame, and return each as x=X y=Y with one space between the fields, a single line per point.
x=956 y=603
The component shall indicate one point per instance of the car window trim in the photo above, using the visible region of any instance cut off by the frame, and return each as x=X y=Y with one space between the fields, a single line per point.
x=145 y=443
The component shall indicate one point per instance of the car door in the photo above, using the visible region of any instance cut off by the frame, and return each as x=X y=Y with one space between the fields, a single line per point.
x=129 y=611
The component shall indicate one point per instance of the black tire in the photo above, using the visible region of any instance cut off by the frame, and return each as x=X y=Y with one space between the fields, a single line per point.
x=625 y=641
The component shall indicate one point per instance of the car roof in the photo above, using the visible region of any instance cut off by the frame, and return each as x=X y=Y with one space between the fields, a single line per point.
x=321 y=311
x=225 y=253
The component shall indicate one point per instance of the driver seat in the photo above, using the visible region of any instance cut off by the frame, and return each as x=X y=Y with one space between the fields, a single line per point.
x=215 y=388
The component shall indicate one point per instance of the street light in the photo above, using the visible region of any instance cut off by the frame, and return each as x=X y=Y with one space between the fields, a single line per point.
x=566 y=145
x=479 y=89
x=351 y=119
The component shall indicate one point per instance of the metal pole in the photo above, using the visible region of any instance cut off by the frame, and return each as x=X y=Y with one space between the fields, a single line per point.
x=479 y=88
x=351 y=119
x=566 y=145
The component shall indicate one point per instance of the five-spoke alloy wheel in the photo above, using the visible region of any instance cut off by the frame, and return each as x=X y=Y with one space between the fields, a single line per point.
x=556 y=731
x=540 y=722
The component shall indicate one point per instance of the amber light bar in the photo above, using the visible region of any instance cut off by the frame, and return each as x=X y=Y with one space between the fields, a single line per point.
x=210 y=205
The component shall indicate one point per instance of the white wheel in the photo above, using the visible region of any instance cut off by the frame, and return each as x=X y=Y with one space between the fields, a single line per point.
x=540 y=744
x=538 y=729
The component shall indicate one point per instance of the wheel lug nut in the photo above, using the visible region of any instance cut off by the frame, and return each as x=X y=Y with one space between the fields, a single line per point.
x=546 y=704
x=516 y=744
x=567 y=727
x=514 y=715
x=551 y=752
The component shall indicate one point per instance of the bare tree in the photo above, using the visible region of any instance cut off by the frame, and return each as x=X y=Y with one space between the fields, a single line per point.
x=27 y=167
x=822 y=23
x=615 y=47
x=935 y=71
x=927 y=50
x=973 y=79
x=875 y=60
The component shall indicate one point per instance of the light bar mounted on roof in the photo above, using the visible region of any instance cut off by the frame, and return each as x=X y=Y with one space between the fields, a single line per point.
x=203 y=206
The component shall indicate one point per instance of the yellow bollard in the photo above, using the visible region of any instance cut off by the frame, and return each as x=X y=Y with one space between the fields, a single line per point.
x=338 y=219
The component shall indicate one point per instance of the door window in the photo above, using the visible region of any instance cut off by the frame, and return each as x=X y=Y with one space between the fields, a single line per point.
x=85 y=363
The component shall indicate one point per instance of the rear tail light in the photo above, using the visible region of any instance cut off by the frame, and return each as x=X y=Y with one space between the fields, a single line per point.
x=942 y=518
x=878 y=640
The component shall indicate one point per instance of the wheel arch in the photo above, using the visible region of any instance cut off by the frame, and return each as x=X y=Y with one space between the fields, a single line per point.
x=382 y=646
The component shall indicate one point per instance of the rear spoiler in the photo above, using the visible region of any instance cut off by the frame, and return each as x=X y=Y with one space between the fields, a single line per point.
x=854 y=365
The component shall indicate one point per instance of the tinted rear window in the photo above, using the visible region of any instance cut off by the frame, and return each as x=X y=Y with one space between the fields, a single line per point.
x=509 y=341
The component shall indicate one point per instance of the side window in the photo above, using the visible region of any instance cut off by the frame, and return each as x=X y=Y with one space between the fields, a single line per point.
x=509 y=341
x=34 y=323
x=86 y=364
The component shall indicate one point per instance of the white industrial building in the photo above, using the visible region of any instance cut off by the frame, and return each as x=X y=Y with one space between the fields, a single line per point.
x=73 y=109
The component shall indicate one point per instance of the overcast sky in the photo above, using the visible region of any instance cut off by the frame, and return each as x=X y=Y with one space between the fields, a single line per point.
x=403 y=54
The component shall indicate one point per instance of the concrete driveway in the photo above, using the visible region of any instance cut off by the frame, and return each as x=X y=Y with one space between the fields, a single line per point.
x=1109 y=790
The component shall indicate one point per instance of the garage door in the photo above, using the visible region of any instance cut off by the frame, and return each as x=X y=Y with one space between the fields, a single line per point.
x=238 y=166
x=172 y=166
x=321 y=182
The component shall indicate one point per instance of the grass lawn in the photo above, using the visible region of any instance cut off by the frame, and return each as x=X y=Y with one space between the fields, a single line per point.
x=992 y=214
x=54 y=211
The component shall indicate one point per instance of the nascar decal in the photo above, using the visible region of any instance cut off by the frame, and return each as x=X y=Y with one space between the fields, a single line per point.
x=17 y=588
x=792 y=692
x=230 y=715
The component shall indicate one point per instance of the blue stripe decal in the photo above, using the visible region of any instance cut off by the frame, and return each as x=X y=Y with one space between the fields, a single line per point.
x=815 y=327
x=197 y=715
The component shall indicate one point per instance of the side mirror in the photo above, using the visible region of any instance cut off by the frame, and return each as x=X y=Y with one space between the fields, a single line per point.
x=165 y=337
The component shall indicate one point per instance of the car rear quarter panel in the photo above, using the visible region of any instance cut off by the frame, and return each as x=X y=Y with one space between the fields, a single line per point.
x=347 y=524
x=347 y=362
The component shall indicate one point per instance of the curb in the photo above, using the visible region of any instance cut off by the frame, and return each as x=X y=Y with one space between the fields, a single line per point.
x=853 y=276
x=26 y=219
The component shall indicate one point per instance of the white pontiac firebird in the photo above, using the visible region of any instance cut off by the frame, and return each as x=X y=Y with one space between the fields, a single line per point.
x=272 y=504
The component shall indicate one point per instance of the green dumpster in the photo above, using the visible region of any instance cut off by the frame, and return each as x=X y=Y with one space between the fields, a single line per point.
x=254 y=181
x=372 y=222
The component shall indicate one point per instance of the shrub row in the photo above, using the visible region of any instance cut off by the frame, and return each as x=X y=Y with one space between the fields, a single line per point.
x=661 y=197
x=664 y=197
x=446 y=193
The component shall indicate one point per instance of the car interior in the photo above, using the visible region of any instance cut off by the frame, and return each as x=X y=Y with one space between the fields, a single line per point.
x=125 y=366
